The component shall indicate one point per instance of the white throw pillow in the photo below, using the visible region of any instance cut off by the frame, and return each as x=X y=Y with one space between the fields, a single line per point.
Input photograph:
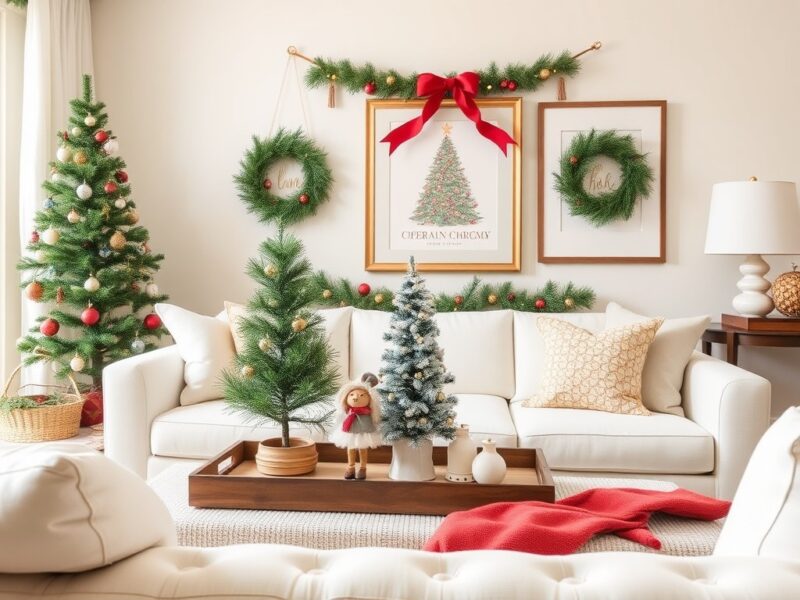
x=764 y=519
x=66 y=508
x=206 y=346
x=662 y=377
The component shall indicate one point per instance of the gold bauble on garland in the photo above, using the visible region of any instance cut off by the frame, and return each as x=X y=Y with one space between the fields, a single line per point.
x=544 y=74
x=378 y=298
x=117 y=241
x=248 y=371
x=492 y=298
x=327 y=294
x=786 y=293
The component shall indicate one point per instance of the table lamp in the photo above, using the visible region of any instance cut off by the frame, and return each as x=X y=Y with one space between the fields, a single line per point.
x=753 y=218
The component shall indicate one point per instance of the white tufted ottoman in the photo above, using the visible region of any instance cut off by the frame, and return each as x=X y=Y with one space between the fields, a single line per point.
x=328 y=531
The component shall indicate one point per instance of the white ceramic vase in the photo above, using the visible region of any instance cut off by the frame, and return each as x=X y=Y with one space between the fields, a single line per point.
x=460 y=454
x=412 y=463
x=489 y=467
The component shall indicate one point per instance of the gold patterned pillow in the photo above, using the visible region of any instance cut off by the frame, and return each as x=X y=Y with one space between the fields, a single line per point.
x=597 y=371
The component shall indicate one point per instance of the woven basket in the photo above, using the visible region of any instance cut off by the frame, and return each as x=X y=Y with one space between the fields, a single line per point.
x=45 y=423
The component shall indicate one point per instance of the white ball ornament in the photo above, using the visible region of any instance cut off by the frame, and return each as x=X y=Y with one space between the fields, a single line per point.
x=120 y=203
x=151 y=289
x=40 y=256
x=92 y=284
x=84 y=191
x=137 y=346
x=50 y=236
x=76 y=131
x=77 y=363
x=64 y=154
x=111 y=146
x=56 y=177
x=89 y=121
x=73 y=216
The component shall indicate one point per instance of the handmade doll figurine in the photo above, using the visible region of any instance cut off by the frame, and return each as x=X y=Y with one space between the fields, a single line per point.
x=358 y=415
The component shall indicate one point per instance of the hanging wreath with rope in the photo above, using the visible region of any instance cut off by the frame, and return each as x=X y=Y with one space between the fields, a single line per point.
x=576 y=163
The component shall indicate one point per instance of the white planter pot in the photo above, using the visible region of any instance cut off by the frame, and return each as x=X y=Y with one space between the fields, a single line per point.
x=412 y=463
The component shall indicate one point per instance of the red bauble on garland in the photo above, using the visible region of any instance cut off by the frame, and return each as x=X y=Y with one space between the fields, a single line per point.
x=90 y=316
x=101 y=136
x=364 y=289
x=49 y=327
x=152 y=321
x=121 y=176
x=34 y=236
x=512 y=85
x=303 y=199
x=267 y=183
x=504 y=83
x=511 y=297
x=370 y=87
x=459 y=300
x=540 y=303
x=110 y=187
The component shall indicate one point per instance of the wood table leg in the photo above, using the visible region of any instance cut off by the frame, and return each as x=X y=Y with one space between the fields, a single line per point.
x=732 y=347
x=706 y=347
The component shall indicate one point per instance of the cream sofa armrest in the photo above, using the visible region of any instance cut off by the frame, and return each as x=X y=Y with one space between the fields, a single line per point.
x=734 y=406
x=135 y=391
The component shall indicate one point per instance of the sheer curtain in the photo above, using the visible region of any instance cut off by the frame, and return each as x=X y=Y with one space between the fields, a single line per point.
x=58 y=51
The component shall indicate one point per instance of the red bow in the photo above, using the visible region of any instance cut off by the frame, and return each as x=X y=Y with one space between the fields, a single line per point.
x=463 y=89
x=351 y=416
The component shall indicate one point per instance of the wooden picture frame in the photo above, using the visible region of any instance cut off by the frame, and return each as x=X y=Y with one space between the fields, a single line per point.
x=563 y=238
x=396 y=184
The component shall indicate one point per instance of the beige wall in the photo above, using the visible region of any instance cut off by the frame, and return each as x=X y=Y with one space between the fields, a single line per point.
x=188 y=83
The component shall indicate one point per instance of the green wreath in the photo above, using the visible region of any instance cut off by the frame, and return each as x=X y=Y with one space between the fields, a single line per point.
x=636 y=179
x=255 y=188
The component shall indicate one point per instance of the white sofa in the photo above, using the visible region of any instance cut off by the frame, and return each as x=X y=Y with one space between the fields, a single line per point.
x=496 y=357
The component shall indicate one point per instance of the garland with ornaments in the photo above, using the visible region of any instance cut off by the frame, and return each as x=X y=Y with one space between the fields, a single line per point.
x=90 y=256
x=474 y=296
x=577 y=161
x=257 y=190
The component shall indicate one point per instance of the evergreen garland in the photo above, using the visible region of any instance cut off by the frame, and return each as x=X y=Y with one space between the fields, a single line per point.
x=19 y=3
x=636 y=180
x=475 y=296
x=255 y=189
x=386 y=83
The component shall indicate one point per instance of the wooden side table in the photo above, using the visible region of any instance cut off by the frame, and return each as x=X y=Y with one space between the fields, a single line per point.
x=733 y=338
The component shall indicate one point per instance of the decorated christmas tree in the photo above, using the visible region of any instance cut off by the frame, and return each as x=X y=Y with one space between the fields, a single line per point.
x=88 y=256
x=446 y=198
x=285 y=373
x=414 y=406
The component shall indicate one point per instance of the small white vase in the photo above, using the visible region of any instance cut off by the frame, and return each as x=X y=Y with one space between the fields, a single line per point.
x=489 y=467
x=412 y=463
x=460 y=454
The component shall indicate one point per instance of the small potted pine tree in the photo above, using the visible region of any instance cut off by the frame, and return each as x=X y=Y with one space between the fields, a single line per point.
x=415 y=407
x=285 y=372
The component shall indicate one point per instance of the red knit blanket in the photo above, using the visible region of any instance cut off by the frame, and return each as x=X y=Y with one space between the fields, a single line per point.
x=563 y=527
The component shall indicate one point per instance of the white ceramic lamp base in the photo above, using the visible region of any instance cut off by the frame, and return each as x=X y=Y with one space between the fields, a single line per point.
x=753 y=301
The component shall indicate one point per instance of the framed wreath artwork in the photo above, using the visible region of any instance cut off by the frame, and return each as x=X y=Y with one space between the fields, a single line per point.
x=602 y=182
x=448 y=196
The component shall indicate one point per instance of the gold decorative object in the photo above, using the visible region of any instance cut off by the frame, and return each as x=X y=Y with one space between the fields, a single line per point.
x=117 y=241
x=544 y=73
x=786 y=293
x=327 y=294
x=299 y=324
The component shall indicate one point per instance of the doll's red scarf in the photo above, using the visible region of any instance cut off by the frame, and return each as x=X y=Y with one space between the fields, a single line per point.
x=352 y=412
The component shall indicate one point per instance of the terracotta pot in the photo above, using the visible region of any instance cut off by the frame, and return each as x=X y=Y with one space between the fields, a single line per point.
x=298 y=459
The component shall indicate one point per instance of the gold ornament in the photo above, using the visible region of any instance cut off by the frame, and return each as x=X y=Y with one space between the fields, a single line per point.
x=327 y=294
x=378 y=298
x=492 y=299
x=418 y=375
x=59 y=295
x=440 y=397
x=391 y=397
x=544 y=73
x=786 y=293
x=449 y=421
x=73 y=216
x=569 y=302
x=423 y=421
x=489 y=87
x=273 y=303
x=248 y=371
x=133 y=216
x=264 y=344
x=333 y=76
x=117 y=241
x=80 y=158
x=391 y=80
x=270 y=271
x=342 y=304
x=299 y=324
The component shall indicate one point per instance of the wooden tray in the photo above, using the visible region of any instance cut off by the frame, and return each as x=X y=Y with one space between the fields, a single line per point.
x=231 y=480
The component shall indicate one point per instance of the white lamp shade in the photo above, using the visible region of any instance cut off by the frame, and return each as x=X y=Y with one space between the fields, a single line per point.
x=754 y=217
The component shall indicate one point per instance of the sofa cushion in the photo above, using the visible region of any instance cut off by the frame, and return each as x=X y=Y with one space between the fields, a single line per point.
x=66 y=508
x=589 y=440
x=765 y=515
x=529 y=351
x=478 y=348
x=487 y=417
x=204 y=430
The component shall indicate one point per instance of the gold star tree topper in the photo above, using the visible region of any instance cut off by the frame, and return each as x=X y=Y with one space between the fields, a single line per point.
x=447 y=128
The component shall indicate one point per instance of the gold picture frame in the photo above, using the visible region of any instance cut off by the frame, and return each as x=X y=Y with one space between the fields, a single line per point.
x=496 y=245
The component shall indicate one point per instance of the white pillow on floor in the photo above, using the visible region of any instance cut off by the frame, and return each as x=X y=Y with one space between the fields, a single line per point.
x=67 y=508
x=662 y=377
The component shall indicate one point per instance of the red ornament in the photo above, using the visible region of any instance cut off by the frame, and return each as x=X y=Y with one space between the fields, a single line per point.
x=511 y=297
x=504 y=83
x=364 y=289
x=135 y=287
x=512 y=85
x=152 y=321
x=121 y=176
x=34 y=290
x=34 y=236
x=65 y=135
x=370 y=87
x=303 y=199
x=459 y=300
x=110 y=187
x=49 y=327
x=573 y=160
x=540 y=303
x=101 y=136
x=267 y=183
x=90 y=316
x=92 y=412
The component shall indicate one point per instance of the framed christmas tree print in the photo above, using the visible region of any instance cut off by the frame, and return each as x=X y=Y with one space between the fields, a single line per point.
x=448 y=195
x=602 y=182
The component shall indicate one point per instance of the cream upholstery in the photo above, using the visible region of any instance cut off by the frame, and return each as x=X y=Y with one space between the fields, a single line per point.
x=366 y=341
x=487 y=416
x=591 y=440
